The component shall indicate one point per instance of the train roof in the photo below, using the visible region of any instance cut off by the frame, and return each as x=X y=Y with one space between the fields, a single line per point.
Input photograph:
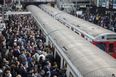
x=90 y=29
x=52 y=10
x=87 y=58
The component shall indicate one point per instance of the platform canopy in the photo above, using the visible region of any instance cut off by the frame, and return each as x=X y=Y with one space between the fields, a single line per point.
x=14 y=13
x=38 y=0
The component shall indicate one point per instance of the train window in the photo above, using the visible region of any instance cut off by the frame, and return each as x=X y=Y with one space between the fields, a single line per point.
x=70 y=75
x=82 y=35
x=76 y=32
x=64 y=18
x=75 y=25
x=72 y=28
x=62 y=8
x=64 y=48
x=102 y=37
x=78 y=26
x=111 y=37
x=68 y=26
x=101 y=46
x=64 y=23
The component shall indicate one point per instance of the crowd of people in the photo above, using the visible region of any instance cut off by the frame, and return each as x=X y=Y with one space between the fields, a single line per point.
x=105 y=21
x=25 y=53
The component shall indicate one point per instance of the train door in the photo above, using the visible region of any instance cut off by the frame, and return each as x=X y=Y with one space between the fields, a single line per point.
x=111 y=47
x=112 y=50
x=58 y=60
x=64 y=65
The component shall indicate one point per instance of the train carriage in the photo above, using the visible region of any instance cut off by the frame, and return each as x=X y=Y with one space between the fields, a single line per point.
x=79 y=57
x=103 y=38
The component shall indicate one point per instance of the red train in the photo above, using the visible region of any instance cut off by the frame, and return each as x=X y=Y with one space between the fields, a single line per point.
x=103 y=38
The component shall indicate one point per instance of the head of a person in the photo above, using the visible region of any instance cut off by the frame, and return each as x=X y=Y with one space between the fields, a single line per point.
x=8 y=73
x=18 y=75
x=113 y=75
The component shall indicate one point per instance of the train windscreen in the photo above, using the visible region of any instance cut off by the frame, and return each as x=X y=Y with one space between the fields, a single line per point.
x=101 y=46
